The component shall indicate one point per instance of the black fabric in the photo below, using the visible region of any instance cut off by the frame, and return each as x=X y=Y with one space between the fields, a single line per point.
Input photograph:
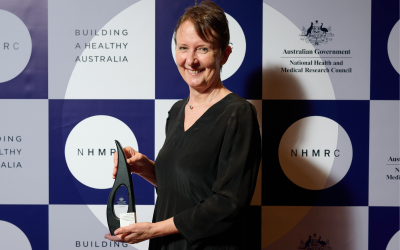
x=206 y=176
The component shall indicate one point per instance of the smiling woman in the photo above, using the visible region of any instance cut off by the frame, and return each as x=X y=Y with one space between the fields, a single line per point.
x=198 y=61
x=206 y=171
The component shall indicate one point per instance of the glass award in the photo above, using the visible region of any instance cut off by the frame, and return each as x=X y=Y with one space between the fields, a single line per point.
x=122 y=180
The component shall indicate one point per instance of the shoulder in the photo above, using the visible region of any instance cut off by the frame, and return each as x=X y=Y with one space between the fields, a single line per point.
x=175 y=109
x=179 y=104
x=173 y=113
x=237 y=105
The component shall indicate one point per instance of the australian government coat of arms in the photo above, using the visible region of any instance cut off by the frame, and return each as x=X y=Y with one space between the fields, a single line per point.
x=316 y=34
x=315 y=243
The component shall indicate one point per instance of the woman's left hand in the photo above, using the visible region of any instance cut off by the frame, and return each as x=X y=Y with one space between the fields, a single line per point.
x=134 y=233
x=139 y=232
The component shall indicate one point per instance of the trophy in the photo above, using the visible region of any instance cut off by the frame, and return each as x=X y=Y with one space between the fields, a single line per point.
x=123 y=178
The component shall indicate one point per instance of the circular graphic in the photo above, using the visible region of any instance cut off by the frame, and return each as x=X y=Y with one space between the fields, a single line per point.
x=238 y=44
x=12 y=237
x=15 y=46
x=393 y=47
x=315 y=153
x=394 y=243
x=90 y=147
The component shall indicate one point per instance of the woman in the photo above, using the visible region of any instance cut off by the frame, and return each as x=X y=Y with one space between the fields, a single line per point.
x=206 y=172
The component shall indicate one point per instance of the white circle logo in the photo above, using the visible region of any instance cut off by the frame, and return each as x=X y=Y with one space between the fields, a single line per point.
x=16 y=46
x=12 y=237
x=90 y=147
x=315 y=153
x=393 y=47
x=238 y=44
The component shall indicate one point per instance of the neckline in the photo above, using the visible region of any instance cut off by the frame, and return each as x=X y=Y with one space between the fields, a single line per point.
x=202 y=116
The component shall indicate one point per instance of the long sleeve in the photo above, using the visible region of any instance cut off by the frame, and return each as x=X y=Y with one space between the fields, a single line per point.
x=238 y=164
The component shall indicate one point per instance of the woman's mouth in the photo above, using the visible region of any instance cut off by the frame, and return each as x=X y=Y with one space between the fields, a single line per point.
x=194 y=72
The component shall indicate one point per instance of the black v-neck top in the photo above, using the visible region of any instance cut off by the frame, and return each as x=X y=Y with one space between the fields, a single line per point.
x=206 y=175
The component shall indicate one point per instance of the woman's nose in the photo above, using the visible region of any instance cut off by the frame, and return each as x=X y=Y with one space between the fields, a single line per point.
x=192 y=58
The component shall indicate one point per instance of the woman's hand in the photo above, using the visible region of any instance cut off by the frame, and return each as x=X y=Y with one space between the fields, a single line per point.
x=139 y=232
x=138 y=164
x=134 y=233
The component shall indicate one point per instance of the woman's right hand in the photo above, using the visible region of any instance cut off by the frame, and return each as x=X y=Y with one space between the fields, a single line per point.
x=138 y=164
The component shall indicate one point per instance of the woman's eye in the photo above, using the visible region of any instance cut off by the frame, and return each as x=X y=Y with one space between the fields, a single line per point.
x=182 y=48
x=203 y=50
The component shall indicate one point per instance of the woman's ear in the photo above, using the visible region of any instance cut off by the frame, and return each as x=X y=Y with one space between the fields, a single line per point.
x=225 y=54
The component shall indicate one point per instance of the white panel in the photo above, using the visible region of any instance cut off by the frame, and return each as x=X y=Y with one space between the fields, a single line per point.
x=339 y=40
x=384 y=154
x=24 y=173
x=124 y=72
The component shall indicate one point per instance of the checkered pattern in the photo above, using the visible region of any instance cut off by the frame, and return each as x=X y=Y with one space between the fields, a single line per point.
x=51 y=96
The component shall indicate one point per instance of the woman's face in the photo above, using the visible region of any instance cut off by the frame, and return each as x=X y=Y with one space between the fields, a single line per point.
x=198 y=61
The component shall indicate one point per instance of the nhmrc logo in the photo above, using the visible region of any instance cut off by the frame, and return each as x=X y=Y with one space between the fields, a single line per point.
x=316 y=34
x=315 y=243
x=90 y=147
x=15 y=46
x=315 y=153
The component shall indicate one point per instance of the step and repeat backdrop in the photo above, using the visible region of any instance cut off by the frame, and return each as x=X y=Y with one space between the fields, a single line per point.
x=323 y=75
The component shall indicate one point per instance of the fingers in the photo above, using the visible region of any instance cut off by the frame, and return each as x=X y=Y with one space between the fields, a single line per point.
x=125 y=230
x=132 y=234
x=114 y=173
x=115 y=158
x=113 y=238
x=129 y=153
x=119 y=231
x=135 y=160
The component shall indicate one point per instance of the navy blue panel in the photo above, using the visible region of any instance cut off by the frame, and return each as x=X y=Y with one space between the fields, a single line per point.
x=252 y=228
x=33 y=220
x=61 y=191
x=64 y=115
x=247 y=80
x=31 y=83
x=278 y=116
x=384 y=78
x=383 y=224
